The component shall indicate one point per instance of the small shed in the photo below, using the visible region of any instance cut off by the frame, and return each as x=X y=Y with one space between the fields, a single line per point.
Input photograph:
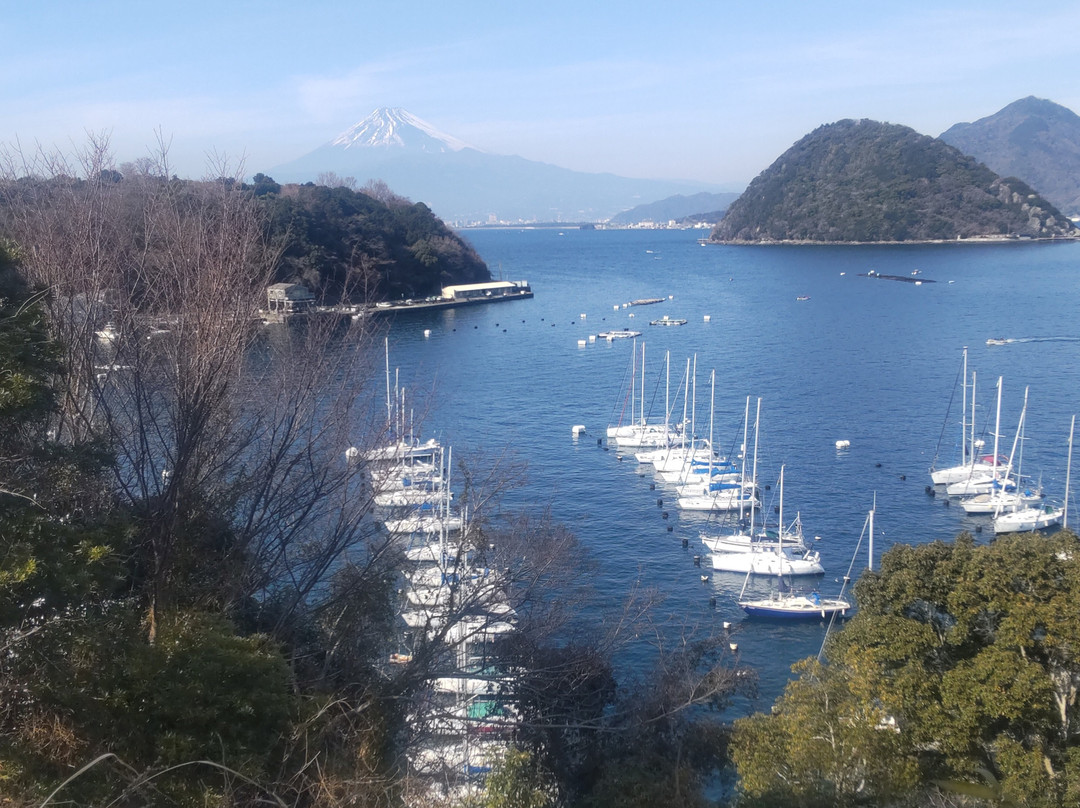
x=289 y=298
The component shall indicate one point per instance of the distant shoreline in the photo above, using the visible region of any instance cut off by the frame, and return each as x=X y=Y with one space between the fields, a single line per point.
x=994 y=240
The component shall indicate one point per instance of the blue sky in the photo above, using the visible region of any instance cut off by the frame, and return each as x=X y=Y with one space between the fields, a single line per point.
x=712 y=91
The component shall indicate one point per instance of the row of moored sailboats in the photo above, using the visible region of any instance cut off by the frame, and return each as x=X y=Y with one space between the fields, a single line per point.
x=454 y=608
x=994 y=484
x=739 y=538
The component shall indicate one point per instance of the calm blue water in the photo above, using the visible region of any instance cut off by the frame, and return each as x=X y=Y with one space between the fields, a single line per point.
x=870 y=361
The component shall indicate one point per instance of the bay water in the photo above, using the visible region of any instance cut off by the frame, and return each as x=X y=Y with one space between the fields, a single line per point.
x=834 y=353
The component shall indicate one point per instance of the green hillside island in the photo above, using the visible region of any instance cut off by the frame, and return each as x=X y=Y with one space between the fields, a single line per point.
x=363 y=245
x=870 y=182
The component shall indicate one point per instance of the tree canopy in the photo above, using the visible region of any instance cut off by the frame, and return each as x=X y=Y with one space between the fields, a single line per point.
x=959 y=672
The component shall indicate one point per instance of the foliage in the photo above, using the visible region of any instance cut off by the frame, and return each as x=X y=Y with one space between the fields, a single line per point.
x=364 y=245
x=865 y=181
x=961 y=667
x=518 y=782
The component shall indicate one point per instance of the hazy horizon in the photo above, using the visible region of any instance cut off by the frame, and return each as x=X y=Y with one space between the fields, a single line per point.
x=706 y=93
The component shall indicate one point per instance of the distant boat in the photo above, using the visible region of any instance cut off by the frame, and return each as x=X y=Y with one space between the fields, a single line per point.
x=803 y=297
x=997 y=341
x=622 y=333
x=665 y=320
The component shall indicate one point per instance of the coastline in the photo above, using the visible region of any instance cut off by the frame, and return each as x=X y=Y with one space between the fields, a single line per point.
x=994 y=240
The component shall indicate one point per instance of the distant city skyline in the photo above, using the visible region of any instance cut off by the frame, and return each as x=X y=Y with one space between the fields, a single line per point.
x=702 y=91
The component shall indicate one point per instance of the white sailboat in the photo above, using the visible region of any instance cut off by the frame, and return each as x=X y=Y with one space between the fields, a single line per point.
x=999 y=498
x=783 y=554
x=639 y=433
x=1030 y=519
x=788 y=605
x=970 y=464
x=716 y=493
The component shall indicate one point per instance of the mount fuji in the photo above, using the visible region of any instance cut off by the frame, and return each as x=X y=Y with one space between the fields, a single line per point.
x=463 y=184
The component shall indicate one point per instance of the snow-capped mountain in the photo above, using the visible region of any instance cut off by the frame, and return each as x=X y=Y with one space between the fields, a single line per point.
x=393 y=126
x=462 y=184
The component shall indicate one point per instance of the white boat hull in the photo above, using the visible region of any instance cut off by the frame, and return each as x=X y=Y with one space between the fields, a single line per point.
x=1027 y=520
x=769 y=563
x=997 y=502
x=801 y=607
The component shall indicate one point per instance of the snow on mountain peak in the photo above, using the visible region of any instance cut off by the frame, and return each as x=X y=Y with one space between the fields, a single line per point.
x=394 y=127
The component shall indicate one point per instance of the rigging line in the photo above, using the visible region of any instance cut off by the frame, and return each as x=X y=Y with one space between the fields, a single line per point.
x=622 y=386
x=945 y=423
x=847 y=579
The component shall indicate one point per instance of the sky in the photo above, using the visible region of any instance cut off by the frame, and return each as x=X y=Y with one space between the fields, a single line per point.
x=707 y=91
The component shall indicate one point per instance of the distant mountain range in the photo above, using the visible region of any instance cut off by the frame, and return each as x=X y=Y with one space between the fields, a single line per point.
x=865 y=181
x=702 y=206
x=462 y=184
x=1033 y=139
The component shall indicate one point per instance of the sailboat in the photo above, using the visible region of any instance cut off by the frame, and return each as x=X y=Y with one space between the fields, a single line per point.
x=967 y=467
x=1030 y=519
x=639 y=433
x=999 y=498
x=715 y=493
x=787 y=605
x=781 y=553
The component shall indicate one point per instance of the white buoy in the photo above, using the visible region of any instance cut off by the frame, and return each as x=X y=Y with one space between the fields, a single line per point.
x=582 y=315
x=427 y=333
x=708 y=317
x=351 y=454
x=616 y=307
x=843 y=444
x=592 y=337
x=577 y=429
x=582 y=343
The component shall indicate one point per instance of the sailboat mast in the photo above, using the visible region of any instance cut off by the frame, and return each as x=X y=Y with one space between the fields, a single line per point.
x=870 y=564
x=1068 y=471
x=972 y=442
x=667 y=395
x=685 y=402
x=1012 y=453
x=712 y=404
x=389 y=409
x=963 y=415
x=742 y=472
x=753 y=497
x=780 y=535
x=693 y=405
x=642 y=384
x=997 y=428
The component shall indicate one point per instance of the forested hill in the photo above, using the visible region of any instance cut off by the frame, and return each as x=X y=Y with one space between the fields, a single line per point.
x=364 y=245
x=865 y=181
